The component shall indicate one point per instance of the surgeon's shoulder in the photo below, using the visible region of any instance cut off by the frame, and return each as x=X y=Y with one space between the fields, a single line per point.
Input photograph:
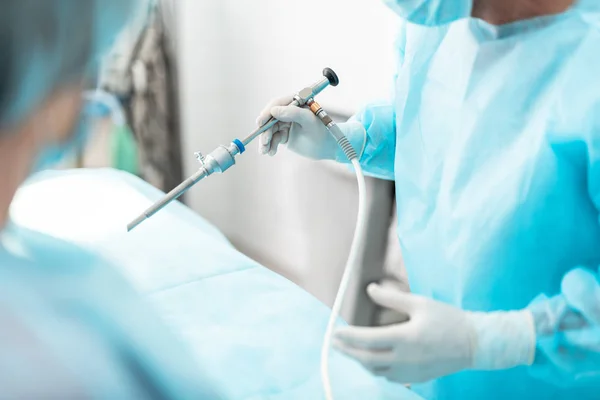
x=578 y=98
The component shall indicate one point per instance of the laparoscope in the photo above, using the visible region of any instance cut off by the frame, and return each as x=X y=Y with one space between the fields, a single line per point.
x=223 y=157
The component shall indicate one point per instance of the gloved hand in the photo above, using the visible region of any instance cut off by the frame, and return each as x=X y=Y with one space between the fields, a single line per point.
x=299 y=128
x=438 y=339
x=568 y=331
x=581 y=290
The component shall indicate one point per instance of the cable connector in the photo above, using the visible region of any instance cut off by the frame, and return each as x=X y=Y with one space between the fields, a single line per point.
x=334 y=129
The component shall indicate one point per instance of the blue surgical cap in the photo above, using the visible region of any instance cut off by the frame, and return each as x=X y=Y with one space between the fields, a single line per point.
x=46 y=44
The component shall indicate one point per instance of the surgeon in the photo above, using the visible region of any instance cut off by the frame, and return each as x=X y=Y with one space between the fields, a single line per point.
x=493 y=141
x=72 y=328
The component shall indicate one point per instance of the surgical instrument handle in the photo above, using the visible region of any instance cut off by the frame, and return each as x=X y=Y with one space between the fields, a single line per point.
x=301 y=99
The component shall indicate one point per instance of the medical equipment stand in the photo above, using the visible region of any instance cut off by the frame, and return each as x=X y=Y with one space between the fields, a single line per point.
x=359 y=309
x=366 y=313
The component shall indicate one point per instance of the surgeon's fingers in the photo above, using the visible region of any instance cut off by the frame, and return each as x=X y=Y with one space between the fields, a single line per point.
x=264 y=141
x=376 y=361
x=582 y=292
x=280 y=138
x=587 y=339
x=301 y=116
x=265 y=114
x=266 y=138
x=572 y=320
x=380 y=338
x=393 y=298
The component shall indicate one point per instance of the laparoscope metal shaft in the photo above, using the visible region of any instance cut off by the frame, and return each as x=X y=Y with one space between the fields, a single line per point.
x=258 y=131
x=223 y=157
x=172 y=195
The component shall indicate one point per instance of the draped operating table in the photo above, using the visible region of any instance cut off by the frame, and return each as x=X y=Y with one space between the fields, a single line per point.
x=258 y=334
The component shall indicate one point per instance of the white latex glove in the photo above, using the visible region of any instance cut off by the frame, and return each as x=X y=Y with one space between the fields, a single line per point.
x=299 y=128
x=438 y=339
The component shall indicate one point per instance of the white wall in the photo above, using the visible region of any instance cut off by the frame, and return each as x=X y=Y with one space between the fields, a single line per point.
x=291 y=214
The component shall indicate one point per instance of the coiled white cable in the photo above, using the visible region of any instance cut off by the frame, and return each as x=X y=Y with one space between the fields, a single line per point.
x=359 y=237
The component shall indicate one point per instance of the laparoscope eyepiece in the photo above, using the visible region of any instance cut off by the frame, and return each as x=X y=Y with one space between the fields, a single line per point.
x=331 y=76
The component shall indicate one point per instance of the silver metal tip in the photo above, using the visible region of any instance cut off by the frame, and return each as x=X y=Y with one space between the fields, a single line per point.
x=136 y=222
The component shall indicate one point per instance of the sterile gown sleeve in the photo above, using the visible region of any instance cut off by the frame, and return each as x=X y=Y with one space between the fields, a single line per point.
x=568 y=324
x=372 y=131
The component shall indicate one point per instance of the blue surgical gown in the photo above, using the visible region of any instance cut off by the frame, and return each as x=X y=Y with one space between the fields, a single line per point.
x=73 y=328
x=493 y=140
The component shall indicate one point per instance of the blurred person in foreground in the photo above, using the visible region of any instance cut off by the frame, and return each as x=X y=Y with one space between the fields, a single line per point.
x=71 y=326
